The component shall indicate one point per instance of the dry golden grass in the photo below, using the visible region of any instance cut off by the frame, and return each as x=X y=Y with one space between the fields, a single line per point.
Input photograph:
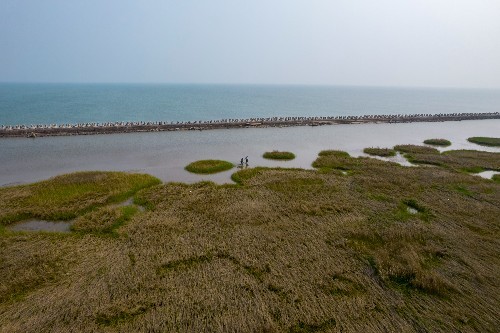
x=284 y=251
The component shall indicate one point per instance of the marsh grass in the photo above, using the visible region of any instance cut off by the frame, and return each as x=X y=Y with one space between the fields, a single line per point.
x=485 y=141
x=279 y=155
x=471 y=161
x=415 y=149
x=209 y=166
x=284 y=250
x=104 y=220
x=68 y=196
x=438 y=142
x=383 y=152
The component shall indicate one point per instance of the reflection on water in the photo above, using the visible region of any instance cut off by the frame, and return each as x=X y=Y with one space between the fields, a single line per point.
x=165 y=154
x=40 y=225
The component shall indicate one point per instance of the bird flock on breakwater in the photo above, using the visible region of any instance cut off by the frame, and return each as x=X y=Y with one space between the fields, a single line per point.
x=374 y=118
x=33 y=131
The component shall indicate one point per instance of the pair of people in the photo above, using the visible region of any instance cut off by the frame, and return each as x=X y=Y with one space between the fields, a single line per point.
x=246 y=160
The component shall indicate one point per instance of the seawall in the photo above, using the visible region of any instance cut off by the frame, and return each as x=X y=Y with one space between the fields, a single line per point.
x=127 y=127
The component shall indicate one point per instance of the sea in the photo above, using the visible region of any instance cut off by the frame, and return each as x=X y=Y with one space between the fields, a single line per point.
x=165 y=154
x=82 y=103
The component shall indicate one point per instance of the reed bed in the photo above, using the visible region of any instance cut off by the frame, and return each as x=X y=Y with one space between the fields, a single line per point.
x=284 y=250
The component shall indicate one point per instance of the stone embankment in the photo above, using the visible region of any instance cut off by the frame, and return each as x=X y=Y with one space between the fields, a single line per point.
x=126 y=127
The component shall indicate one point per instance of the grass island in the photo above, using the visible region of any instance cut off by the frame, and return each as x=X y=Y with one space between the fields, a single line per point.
x=279 y=155
x=438 y=142
x=485 y=141
x=209 y=166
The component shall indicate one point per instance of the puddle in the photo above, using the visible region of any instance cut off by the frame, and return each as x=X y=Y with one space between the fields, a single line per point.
x=411 y=210
x=486 y=174
x=41 y=225
x=129 y=202
x=60 y=226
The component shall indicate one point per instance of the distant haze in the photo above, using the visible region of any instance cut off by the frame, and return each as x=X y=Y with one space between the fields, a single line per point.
x=430 y=43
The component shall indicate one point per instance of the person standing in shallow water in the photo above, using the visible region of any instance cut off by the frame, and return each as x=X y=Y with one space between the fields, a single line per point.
x=246 y=161
x=241 y=162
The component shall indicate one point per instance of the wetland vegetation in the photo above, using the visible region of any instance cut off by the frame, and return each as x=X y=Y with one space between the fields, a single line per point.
x=209 y=166
x=279 y=155
x=485 y=141
x=381 y=248
x=438 y=142
x=383 y=152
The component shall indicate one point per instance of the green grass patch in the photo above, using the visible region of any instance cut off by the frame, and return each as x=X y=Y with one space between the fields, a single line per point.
x=68 y=196
x=496 y=177
x=279 y=155
x=485 y=141
x=438 y=142
x=383 y=152
x=337 y=153
x=415 y=149
x=335 y=159
x=209 y=166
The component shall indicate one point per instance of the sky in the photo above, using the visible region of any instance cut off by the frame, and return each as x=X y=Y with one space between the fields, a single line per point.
x=401 y=43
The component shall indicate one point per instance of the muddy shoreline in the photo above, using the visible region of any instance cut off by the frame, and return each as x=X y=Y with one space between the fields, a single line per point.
x=128 y=127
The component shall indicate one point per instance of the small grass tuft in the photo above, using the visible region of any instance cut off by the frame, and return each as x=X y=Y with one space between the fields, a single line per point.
x=279 y=155
x=209 y=166
x=438 y=142
x=485 y=141
x=383 y=152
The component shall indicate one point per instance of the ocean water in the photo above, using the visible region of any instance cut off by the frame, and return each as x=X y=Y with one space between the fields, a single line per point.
x=77 y=103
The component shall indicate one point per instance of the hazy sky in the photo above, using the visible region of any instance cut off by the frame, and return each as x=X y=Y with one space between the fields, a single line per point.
x=438 y=43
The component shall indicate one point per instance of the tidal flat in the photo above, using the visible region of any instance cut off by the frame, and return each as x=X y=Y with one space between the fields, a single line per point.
x=354 y=244
x=165 y=154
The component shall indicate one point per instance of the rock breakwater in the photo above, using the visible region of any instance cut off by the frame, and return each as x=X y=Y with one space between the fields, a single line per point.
x=40 y=130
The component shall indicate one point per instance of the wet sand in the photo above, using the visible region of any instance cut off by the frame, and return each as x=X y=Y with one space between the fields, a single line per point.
x=165 y=154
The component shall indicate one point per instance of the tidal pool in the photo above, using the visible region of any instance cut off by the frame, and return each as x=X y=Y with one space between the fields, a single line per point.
x=41 y=225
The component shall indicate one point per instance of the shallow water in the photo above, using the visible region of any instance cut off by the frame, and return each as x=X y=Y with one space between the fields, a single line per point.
x=487 y=174
x=41 y=225
x=165 y=154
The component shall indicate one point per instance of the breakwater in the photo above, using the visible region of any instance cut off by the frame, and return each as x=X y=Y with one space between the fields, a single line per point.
x=127 y=127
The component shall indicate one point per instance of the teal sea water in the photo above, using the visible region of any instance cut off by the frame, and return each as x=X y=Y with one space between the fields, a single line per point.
x=77 y=103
